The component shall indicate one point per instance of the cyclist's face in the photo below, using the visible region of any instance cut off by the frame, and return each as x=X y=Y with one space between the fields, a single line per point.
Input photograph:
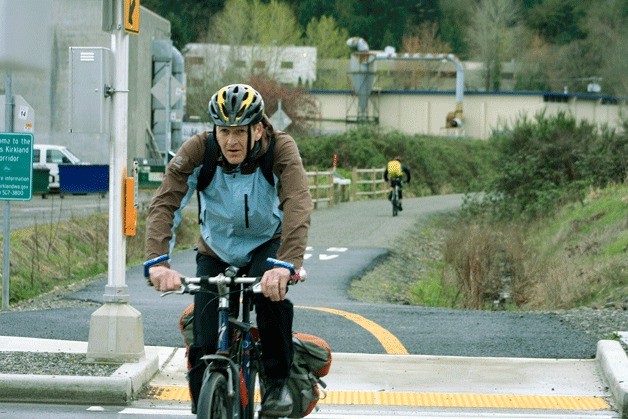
x=232 y=141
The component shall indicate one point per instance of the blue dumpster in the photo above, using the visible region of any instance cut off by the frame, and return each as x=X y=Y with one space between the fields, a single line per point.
x=83 y=178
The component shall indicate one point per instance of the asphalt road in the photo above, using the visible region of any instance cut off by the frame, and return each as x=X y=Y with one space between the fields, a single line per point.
x=344 y=241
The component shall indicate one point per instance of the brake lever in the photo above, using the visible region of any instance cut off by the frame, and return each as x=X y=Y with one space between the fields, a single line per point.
x=257 y=288
x=183 y=289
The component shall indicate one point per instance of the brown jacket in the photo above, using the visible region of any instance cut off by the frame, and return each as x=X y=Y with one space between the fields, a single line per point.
x=294 y=198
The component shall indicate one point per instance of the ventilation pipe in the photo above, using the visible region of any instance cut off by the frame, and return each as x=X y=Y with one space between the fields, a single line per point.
x=363 y=73
x=178 y=72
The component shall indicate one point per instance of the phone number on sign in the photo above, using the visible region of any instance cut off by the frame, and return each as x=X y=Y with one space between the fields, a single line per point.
x=11 y=190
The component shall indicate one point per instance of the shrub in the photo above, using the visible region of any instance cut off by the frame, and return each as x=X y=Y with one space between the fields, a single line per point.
x=485 y=263
x=437 y=164
x=548 y=161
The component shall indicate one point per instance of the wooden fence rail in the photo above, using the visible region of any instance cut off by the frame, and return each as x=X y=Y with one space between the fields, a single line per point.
x=365 y=184
x=321 y=187
x=368 y=183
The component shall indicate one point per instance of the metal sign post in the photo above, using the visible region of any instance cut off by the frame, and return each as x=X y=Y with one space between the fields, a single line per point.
x=16 y=181
x=25 y=32
x=6 y=231
x=115 y=329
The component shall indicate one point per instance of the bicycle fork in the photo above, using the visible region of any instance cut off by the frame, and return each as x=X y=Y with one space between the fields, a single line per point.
x=220 y=361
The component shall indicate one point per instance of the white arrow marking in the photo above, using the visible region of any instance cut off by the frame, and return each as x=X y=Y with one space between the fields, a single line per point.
x=327 y=257
x=337 y=249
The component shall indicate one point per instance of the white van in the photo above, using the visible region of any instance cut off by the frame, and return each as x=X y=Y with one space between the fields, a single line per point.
x=50 y=157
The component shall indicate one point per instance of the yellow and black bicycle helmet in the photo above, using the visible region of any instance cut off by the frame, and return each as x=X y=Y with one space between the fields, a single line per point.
x=236 y=105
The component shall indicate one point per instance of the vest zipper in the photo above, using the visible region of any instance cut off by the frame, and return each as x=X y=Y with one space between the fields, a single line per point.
x=246 y=210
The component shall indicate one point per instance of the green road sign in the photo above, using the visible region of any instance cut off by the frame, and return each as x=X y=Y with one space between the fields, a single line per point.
x=16 y=166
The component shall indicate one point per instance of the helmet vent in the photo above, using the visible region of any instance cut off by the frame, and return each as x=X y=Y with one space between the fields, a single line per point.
x=236 y=105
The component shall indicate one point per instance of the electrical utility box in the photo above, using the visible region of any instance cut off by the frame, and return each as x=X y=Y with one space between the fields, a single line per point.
x=91 y=86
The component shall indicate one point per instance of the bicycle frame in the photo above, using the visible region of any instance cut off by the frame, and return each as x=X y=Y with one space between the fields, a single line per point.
x=226 y=351
x=232 y=355
x=394 y=199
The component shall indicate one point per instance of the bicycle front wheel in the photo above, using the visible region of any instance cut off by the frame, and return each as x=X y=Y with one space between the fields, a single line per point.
x=214 y=401
x=395 y=203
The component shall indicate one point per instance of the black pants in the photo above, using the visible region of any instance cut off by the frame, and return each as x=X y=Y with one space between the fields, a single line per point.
x=274 y=320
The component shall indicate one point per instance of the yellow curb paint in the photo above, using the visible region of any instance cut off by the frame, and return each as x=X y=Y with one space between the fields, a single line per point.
x=412 y=399
x=391 y=344
x=181 y=393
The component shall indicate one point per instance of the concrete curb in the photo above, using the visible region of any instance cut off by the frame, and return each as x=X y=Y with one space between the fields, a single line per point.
x=118 y=389
x=614 y=365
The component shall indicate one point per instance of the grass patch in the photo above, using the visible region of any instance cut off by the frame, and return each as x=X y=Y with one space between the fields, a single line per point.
x=411 y=273
x=576 y=258
x=44 y=257
x=580 y=255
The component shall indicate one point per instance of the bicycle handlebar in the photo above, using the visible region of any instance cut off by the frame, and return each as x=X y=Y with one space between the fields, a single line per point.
x=193 y=285
x=152 y=262
x=280 y=263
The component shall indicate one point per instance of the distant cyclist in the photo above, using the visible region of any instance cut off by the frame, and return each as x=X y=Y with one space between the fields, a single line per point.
x=394 y=172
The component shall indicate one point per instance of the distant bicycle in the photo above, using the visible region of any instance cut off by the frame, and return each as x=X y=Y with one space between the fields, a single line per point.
x=232 y=372
x=394 y=198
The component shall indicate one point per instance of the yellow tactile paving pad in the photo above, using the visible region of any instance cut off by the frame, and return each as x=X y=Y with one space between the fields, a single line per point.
x=412 y=399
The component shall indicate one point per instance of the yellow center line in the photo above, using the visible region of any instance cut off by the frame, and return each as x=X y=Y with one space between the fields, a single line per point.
x=391 y=344
x=416 y=399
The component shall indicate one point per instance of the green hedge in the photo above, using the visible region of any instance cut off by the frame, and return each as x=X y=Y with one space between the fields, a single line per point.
x=548 y=160
x=437 y=164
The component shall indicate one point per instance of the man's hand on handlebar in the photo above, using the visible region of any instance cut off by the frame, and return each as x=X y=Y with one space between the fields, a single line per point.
x=274 y=283
x=165 y=279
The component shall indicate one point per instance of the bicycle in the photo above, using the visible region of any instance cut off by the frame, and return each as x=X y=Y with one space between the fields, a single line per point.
x=232 y=371
x=394 y=197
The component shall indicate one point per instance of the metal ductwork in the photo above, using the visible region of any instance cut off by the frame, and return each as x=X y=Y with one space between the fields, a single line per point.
x=168 y=99
x=363 y=72
x=178 y=108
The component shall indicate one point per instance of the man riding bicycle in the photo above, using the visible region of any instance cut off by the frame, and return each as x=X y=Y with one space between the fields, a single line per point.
x=394 y=172
x=244 y=219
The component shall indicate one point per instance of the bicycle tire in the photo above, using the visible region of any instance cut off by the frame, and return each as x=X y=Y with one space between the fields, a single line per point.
x=395 y=202
x=214 y=401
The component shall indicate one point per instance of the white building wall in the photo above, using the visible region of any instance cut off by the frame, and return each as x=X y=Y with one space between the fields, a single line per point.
x=425 y=113
x=288 y=64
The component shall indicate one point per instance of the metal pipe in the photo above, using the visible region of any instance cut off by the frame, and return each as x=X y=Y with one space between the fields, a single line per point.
x=362 y=70
x=6 y=241
x=116 y=290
